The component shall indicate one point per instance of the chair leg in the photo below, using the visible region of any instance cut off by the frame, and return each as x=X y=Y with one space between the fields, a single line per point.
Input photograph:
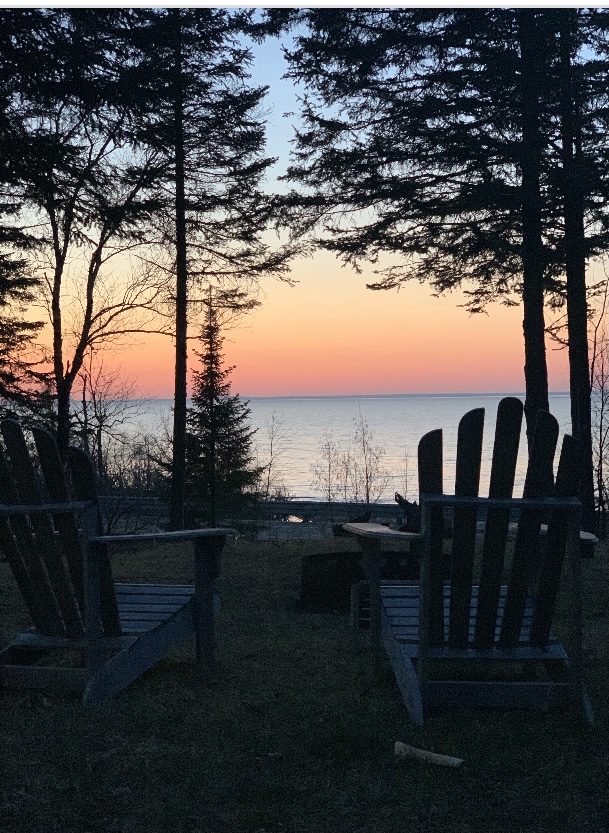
x=127 y=665
x=405 y=675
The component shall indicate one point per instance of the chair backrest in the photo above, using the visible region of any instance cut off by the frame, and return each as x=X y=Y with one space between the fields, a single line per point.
x=40 y=532
x=497 y=617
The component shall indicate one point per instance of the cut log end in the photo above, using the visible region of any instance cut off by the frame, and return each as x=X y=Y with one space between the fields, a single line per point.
x=402 y=750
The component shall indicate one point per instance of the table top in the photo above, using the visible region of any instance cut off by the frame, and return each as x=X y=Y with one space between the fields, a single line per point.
x=380 y=531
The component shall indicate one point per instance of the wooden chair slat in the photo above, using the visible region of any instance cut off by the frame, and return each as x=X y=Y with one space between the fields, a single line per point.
x=432 y=612
x=83 y=478
x=505 y=447
x=429 y=455
x=541 y=456
x=567 y=485
x=24 y=582
x=525 y=553
x=430 y=463
x=46 y=546
x=467 y=481
x=503 y=470
x=30 y=574
x=469 y=453
x=527 y=547
x=52 y=469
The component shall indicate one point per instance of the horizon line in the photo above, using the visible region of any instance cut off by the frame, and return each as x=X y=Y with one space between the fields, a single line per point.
x=367 y=395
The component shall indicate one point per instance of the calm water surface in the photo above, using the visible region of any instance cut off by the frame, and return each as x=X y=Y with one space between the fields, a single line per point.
x=397 y=423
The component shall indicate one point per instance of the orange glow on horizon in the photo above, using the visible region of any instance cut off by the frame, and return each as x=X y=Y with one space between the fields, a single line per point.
x=330 y=335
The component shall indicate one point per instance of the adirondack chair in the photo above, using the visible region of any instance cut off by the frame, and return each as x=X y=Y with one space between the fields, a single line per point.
x=443 y=634
x=62 y=567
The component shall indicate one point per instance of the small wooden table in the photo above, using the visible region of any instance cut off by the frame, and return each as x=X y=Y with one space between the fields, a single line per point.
x=369 y=538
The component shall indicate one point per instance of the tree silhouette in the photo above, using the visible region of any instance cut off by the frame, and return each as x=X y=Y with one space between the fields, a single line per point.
x=204 y=122
x=221 y=474
x=80 y=189
x=439 y=136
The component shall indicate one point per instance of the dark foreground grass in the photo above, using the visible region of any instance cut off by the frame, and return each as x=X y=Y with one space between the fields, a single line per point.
x=294 y=735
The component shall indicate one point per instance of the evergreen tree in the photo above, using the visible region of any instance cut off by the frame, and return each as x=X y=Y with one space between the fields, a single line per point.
x=220 y=471
x=203 y=120
x=436 y=135
x=77 y=188
x=22 y=383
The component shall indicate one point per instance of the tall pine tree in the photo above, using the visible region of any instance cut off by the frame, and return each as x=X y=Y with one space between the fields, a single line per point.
x=22 y=382
x=202 y=118
x=435 y=135
x=220 y=471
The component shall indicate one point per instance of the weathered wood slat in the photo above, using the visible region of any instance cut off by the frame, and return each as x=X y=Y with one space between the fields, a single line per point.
x=137 y=627
x=405 y=674
x=46 y=547
x=123 y=589
x=157 y=612
x=31 y=594
x=526 y=550
x=83 y=478
x=377 y=531
x=541 y=456
x=429 y=455
x=525 y=553
x=152 y=599
x=467 y=480
x=65 y=524
x=503 y=470
x=177 y=537
x=38 y=594
x=526 y=653
x=409 y=626
x=567 y=484
x=432 y=575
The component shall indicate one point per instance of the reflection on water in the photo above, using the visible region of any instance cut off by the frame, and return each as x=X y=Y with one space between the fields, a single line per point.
x=397 y=424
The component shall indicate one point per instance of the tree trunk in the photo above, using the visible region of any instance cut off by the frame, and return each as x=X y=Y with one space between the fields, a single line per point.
x=214 y=361
x=64 y=389
x=178 y=469
x=575 y=263
x=535 y=368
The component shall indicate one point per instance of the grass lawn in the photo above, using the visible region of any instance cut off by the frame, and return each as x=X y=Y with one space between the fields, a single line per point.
x=294 y=735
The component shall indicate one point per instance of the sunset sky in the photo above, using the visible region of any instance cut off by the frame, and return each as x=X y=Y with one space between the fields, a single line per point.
x=330 y=335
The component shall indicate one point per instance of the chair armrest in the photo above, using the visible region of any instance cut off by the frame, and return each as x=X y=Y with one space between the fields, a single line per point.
x=67 y=508
x=546 y=503
x=165 y=537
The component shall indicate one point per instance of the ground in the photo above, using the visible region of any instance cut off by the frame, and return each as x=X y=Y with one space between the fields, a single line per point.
x=294 y=734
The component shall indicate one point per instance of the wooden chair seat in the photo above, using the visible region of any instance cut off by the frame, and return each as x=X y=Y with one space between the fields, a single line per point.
x=401 y=613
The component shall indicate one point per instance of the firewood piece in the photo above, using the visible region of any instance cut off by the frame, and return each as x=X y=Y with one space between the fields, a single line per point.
x=402 y=750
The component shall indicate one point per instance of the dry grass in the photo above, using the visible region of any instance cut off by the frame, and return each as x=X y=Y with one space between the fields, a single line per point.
x=294 y=735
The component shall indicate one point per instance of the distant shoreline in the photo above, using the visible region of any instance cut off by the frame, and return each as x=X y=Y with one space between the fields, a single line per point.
x=366 y=395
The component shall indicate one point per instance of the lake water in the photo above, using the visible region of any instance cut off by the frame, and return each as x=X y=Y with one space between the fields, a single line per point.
x=396 y=423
